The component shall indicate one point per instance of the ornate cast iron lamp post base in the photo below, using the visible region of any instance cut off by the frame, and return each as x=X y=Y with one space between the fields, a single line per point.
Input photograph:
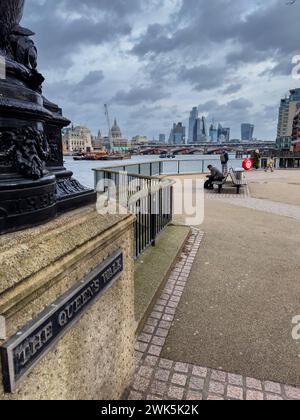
x=34 y=185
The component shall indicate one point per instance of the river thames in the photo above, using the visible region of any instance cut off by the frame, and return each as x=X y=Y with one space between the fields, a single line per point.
x=83 y=170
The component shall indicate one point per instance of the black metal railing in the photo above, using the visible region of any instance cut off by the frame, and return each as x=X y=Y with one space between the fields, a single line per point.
x=149 y=198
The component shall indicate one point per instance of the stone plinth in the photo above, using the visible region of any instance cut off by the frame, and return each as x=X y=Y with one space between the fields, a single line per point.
x=94 y=359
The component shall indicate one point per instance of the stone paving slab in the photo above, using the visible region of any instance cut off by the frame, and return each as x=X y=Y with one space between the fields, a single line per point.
x=157 y=378
x=267 y=206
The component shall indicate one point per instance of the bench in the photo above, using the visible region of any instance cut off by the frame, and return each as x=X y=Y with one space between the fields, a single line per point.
x=237 y=183
x=220 y=183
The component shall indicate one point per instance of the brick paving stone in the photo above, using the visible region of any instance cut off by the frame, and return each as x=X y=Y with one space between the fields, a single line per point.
x=150 y=361
x=165 y=324
x=217 y=375
x=145 y=338
x=156 y=315
x=254 y=384
x=158 y=341
x=235 y=392
x=138 y=356
x=181 y=367
x=155 y=350
x=162 y=375
x=175 y=393
x=135 y=396
x=170 y=311
x=141 y=384
x=162 y=302
x=159 y=308
x=171 y=283
x=181 y=284
x=169 y=291
x=169 y=318
x=152 y=322
x=254 y=395
x=145 y=371
x=172 y=305
x=179 y=379
x=194 y=396
x=142 y=347
x=196 y=383
x=217 y=388
x=148 y=329
x=235 y=379
x=200 y=371
x=158 y=387
x=162 y=332
x=152 y=398
x=166 y=364
x=212 y=397
x=292 y=393
x=273 y=397
x=272 y=387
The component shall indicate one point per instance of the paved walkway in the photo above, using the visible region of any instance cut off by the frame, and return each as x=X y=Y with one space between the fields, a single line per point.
x=267 y=206
x=161 y=379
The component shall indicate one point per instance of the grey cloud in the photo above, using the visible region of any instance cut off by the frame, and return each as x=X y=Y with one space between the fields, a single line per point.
x=58 y=38
x=139 y=94
x=233 y=88
x=85 y=92
x=92 y=78
x=263 y=33
x=203 y=77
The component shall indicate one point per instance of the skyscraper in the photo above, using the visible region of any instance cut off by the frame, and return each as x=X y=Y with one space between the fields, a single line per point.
x=200 y=130
x=247 y=131
x=287 y=112
x=177 y=135
x=223 y=134
x=213 y=134
x=192 y=122
x=162 y=138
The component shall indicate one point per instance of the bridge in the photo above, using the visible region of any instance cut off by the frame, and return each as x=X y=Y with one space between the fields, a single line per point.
x=205 y=148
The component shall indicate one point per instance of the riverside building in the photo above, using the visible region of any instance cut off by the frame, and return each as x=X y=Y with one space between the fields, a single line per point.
x=287 y=112
x=77 y=139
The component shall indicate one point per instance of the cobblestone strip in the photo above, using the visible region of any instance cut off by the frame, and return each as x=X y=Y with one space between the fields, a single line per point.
x=161 y=379
x=229 y=193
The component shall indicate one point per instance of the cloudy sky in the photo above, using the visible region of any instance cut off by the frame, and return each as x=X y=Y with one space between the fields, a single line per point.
x=153 y=60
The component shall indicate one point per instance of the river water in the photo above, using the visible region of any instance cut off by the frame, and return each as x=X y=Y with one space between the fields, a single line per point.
x=83 y=170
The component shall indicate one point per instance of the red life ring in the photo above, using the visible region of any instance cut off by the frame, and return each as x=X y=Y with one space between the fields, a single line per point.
x=248 y=164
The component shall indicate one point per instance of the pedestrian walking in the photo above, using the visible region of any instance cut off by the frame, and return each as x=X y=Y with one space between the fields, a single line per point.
x=224 y=161
x=256 y=159
x=270 y=165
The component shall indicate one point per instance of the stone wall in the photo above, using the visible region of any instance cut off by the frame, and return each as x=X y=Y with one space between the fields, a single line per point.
x=94 y=360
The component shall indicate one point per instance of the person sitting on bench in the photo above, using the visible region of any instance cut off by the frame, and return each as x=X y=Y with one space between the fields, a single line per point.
x=215 y=175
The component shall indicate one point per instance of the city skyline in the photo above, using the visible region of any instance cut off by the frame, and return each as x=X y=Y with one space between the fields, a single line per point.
x=153 y=60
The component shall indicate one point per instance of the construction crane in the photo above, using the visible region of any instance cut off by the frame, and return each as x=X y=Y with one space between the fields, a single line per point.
x=109 y=127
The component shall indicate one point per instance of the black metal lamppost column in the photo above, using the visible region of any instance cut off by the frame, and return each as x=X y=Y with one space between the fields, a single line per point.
x=34 y=185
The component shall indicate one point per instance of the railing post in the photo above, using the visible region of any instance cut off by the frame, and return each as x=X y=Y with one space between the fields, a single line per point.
x=152 y=234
